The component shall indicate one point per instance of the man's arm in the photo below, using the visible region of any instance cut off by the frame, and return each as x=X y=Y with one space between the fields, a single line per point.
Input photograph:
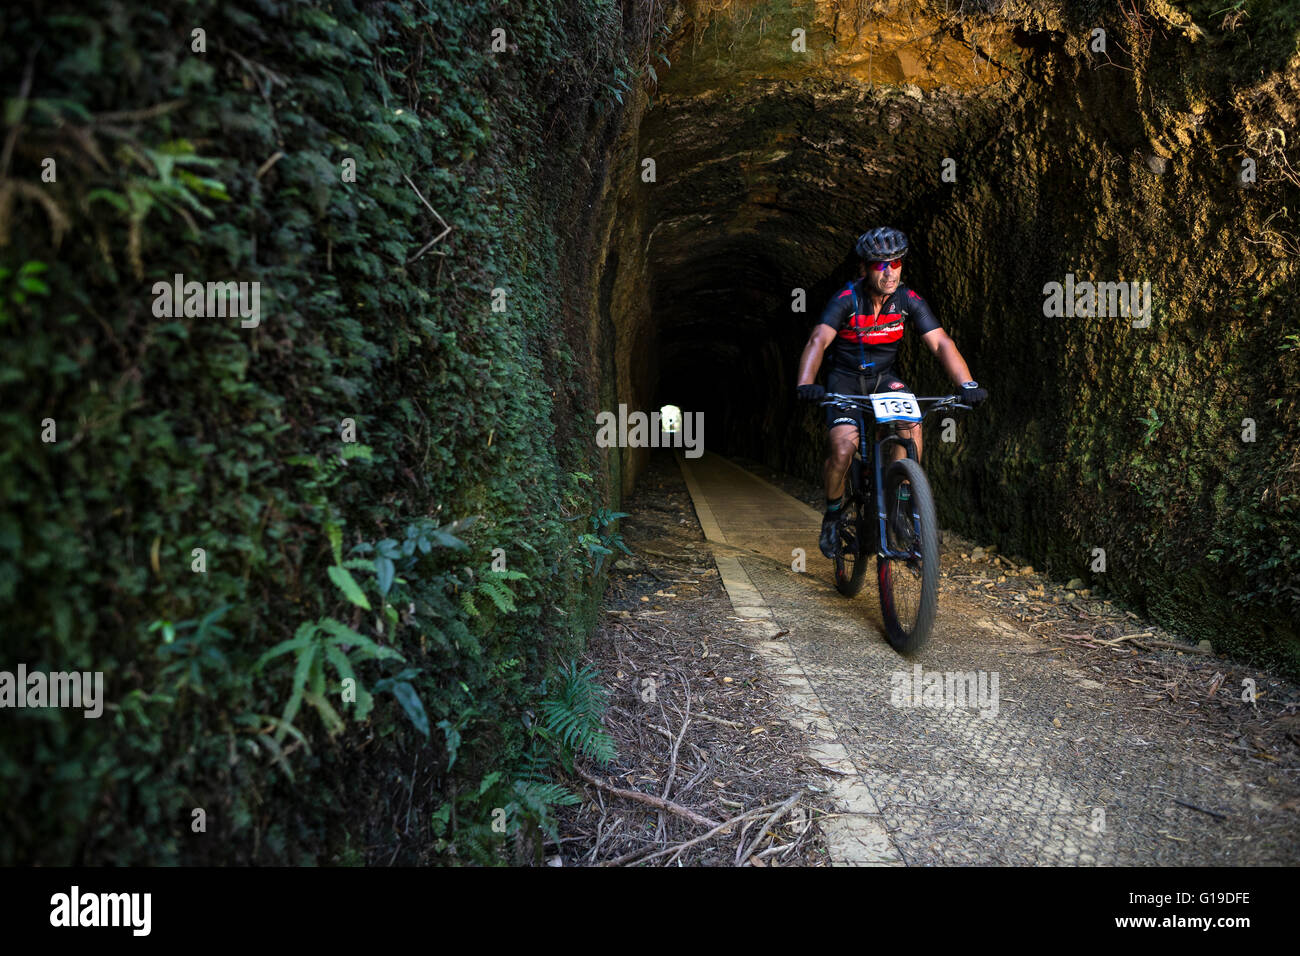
x=811 y=360
x=945 y=350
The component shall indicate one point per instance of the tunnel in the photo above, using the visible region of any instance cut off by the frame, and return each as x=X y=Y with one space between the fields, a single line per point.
x=754 y=174
x=360 y=575
x=1015 y=151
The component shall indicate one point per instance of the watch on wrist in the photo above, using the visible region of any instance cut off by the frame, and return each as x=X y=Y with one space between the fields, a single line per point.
x=970 y=384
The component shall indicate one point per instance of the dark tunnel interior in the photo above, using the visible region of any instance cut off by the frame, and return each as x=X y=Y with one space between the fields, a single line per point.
x=750 y=230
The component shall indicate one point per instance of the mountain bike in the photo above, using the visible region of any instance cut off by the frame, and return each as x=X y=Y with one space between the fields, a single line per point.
x=903 y=531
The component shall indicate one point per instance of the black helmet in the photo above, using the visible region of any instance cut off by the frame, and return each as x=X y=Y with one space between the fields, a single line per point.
x=882 y=244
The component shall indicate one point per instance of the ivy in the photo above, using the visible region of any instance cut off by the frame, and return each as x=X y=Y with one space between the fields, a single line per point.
x=187 y=442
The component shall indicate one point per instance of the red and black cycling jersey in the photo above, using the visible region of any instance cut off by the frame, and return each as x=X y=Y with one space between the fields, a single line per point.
x=860 y=341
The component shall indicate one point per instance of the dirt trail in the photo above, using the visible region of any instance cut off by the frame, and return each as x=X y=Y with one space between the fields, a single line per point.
x=1092 y=754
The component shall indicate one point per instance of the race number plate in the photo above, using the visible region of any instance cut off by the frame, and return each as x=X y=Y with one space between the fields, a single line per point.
x=895 y=407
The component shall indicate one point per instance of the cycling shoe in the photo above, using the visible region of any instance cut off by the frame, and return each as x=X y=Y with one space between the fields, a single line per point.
x=830 y=523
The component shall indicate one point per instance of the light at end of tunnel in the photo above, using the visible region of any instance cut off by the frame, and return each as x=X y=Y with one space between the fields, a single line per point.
x=670 y=418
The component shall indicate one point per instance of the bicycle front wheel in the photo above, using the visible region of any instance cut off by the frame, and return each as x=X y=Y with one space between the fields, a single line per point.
x=909 y=585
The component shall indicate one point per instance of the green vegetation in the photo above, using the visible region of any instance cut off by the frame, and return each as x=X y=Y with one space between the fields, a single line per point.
x=343 y=673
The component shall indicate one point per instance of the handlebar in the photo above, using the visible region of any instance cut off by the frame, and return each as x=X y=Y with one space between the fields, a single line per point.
x=863 y=402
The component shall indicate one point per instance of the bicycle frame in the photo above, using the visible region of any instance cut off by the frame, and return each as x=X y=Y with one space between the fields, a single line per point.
x=863 y=403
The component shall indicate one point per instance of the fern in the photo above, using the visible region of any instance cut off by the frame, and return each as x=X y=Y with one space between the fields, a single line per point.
x=535 y=763
x=501 y=669
x=537 y=798
x=316 y=644
x=501 y=596
x=477 y=845
x=569 y=722
x=534 y=800
x=573 y=716
x=498 y=593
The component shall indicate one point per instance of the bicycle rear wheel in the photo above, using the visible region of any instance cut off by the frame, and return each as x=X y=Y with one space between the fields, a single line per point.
x=851 y=551
x=909 y=586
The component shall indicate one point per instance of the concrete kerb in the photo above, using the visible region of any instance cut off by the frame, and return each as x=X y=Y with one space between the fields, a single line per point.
x=856 y=835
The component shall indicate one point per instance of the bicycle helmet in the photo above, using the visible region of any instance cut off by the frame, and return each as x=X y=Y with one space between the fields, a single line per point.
x=881 y=244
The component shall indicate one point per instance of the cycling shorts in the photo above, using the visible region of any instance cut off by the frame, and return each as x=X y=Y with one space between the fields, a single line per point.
x=858 y=383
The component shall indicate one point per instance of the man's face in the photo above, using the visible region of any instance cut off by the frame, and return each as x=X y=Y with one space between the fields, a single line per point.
x=884 y=283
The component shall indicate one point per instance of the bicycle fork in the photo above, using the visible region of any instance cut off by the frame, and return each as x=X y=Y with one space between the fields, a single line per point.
x=909 y=449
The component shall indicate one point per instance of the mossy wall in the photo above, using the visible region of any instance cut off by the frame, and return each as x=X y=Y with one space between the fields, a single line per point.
x=1100 y=434
x=223 y=155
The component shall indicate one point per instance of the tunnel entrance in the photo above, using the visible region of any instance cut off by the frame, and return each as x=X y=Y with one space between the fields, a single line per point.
x=1013 y=155
x=767 y=165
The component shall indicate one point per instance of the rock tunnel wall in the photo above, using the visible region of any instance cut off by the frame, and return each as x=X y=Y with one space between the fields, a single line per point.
x=1172 y=446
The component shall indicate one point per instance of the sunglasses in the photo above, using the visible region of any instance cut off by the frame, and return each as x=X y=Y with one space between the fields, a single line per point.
x=882 y=266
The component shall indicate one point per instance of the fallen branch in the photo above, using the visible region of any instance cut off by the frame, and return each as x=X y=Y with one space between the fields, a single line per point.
x=720 y=720
x=1156 y=642
x=697 y=840
x=671 y=557
x=782 y=848
x=779 y=812
x=651 y=801
x=1185 y=648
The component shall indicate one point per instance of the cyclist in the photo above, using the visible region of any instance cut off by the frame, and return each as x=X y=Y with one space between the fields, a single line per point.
x=864 y=322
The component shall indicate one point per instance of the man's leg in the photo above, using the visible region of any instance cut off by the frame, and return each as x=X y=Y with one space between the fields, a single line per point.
x=890 y=382
x=896 y=451
x=843 y=443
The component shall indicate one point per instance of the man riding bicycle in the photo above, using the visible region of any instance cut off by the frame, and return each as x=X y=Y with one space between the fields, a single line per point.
x=864 y=321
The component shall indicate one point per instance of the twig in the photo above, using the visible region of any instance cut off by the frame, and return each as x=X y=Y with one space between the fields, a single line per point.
x=1186 y=648
x=720 y=720
x=601 y=835
x=700 y=839
x=664 y=554
x=748 y=647
x=23 y=92
x=780 y=811
x=445 y=228
x=262 y=170
x=410 y=796
x=627 y=857
x=672 y=756
x=560 y=842
x=132 y=116
x=271 y=79
x=1192 y=806
x=699 y=774
x=651 y=801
